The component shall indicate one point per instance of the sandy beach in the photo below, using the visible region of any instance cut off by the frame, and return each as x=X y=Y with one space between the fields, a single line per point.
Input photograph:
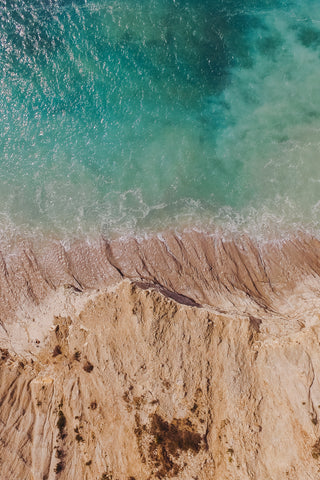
x=173 y=356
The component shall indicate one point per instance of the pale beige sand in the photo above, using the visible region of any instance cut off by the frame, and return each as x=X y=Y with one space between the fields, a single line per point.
x=199 y=358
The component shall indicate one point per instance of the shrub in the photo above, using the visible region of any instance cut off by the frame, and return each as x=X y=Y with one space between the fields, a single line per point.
x=77 y=356
x=169 y=441
x=88 y=367
x=316 y=450
x=59 y=467
x=61 y=423
x=106 y=476
x=56 y=351
x=59 y=453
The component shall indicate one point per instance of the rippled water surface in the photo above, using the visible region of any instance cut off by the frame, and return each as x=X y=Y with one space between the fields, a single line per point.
x=131 y=115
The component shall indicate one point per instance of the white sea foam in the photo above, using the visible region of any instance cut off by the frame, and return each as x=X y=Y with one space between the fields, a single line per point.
x=135 y=117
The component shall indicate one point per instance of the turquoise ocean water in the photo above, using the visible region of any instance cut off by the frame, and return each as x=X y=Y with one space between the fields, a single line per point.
x=122 y=116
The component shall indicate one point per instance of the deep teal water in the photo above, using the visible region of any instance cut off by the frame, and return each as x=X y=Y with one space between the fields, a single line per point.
x=126 y=116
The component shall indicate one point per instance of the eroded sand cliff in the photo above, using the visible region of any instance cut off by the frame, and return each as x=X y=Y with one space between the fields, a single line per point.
x=182 y=357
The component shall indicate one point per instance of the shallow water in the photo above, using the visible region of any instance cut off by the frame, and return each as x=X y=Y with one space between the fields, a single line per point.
x=127 y=116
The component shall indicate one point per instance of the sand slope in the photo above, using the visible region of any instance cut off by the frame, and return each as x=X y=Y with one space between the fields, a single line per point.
x=175 y=357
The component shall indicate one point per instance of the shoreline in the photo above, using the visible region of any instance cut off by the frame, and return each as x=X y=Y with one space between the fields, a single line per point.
x=205 y=268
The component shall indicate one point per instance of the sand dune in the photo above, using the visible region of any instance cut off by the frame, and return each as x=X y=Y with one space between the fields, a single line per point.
x=175 y=356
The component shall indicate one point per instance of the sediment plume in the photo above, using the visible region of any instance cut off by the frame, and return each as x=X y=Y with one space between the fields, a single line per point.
x=183 y=356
